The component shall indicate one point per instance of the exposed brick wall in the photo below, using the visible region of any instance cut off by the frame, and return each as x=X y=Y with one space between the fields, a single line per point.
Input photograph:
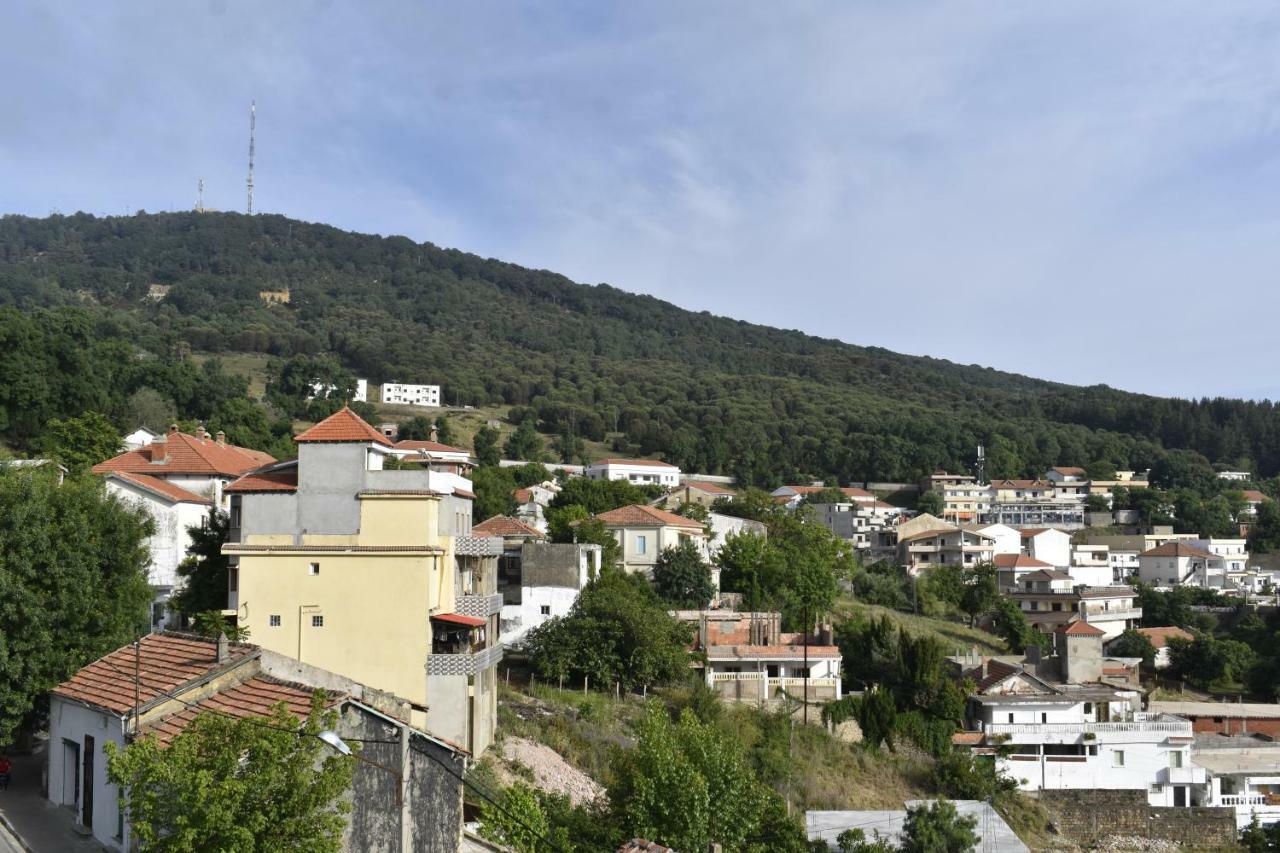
x=1229 y=725
x=1087 y=815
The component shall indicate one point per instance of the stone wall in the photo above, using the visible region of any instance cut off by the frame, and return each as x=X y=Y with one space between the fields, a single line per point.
x=1084 y=816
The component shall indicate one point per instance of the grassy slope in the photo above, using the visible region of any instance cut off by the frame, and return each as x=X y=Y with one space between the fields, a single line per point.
x=955 y=636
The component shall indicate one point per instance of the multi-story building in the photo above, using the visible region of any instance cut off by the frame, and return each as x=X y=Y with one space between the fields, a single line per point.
x=1050 y=598
x=855 y=522
x=542 y=582
x=964 y=502
x=176 y=479
x=338 y=560
x=1074 y=730
x=1033 y=503
x=1243 y=775
x=644 y=531
x=401 y=394
x=1182 y=564
x=940 y=479
x=940 y=547
x=1049 y=544
x=638 y=471
x=750 y=659
x=434 y=455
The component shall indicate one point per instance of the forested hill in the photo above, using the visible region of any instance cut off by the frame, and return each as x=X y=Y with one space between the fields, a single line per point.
x=710 y=393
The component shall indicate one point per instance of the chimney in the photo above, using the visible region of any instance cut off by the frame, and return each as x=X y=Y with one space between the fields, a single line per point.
x=222 y=648
x=173 y=428
x=222 y=437
x=435 y=432
x=159 y=450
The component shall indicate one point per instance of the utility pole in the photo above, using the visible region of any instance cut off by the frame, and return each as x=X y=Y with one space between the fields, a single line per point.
x=805 y=694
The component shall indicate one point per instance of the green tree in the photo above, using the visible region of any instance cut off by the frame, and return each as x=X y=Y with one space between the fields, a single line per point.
x=591 y=531
x=749 y=566
x=1133 y=644
x=930 y=502
x=617 y=631
x=681 y=577
x=938 y=828
x=444 y=431
x=877 y=716
x=1011 y=625
x=82 y=442
x=525 y=443
x=855 y=841
x=980 y=591
x=485 y=446
x=245 y=784
x=1096 y=503
x=520 y=823
x=204 y=571
x=73 y=583
x=1100 y=469
x=416 y=428
x=686 y=785
x=493 y=487
x=149 y=408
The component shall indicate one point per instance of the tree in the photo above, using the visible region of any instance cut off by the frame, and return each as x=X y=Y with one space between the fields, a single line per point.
x=248 y=784
x=149 y=408
x=749 y=566
x=591 y=531
x=204 y=571
x=617 y=631
x=485 y=446
x=416 y=428
x=686 y=785
x=1100 y=469
x=1134 y=644
x=681 y=577
x=444 y=431
x=525 y=443
x=855 y=841
x=1096 y=503
x=1011 y=625
x=520 y=823
x=493 y=487
x=979 y=590
x=877 y=715
x=80 y=443
x=938 y=828
x=930 y=502
x=73 y=583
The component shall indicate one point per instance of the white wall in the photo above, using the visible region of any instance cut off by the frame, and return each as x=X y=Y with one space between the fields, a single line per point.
x=1091 y=575
x=168 y=545
x=72 y=722
x=1008 y=540
x=1052 y=547
x=520 y=619
x=412 y=395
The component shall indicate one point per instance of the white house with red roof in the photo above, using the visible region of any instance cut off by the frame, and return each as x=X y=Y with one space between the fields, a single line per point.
x=639 y=471
x=156 y=689
x=644 y=531
x=791 y=496
x=176 y=479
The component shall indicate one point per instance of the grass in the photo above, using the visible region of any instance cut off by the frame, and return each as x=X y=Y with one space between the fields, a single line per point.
x=954 y=635
x=250 y=365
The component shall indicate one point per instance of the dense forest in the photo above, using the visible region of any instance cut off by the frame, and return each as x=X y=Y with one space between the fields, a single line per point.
x=96 y=311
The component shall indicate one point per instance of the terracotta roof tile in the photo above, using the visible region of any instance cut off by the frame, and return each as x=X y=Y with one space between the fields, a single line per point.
x=639 y=515
x=343 y=426
x=1069 y=471
x=522 y=496
x=1019 y=561
x=1176 y=549
x=505 y=525
x=1160 y=637
x=165 y=662
x=254 y=697
x=1079 y=628
x=709 y=488
x=1255 y=496
x=180 y=453
x=995 y=672
x=160 y=487
x=967 y=738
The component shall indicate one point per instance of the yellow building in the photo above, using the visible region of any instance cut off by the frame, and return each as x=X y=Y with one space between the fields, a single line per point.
x=373 y=574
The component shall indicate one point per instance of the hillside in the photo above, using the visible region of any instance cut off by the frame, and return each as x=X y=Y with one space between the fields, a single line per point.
x=639 y=374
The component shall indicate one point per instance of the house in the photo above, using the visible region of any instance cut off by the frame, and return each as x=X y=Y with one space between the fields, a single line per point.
x=1242 y=775
x=1227 y=718
x=1182 y=563
x=176 y=479
x=940 y=479
x=336 y=560
x=531 y=504
x=1050 y=598
x=644 y=531
x=1235 y=476
x=1253 y=498
x=723 y=526
x=698 y=492
x=965 y=502
x=1063 y=474
x=1032 y=503
x=543 y=582
x=410 y=395
x=1091 y=566
x=1064 y=727
x=638 y=471
x=791 y=496
x=1008 y=540
x=1047 y=543
x=1160 y=638
x=750 y=659
x=140 y=437
x=953 y=546
x=1012 y=568
x=155 y=688
x=855 y=522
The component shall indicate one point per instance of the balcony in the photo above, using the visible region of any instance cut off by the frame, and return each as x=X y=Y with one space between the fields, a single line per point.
x=464 y=663
x=1112 y=615
x=759 y=687
x=480 y=606
x=1144 y=727
x=1192 y=775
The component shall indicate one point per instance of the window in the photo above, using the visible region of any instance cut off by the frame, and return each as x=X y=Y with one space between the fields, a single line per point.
x=1088 y=707
x=1117 y=758
x=1044 y=717
x=317 y=621
x=1011 y=716
x=1175 y=758
x=545 y=610
x=313 y=568
x=233 y=579
x=274 y=620
x=640 y=545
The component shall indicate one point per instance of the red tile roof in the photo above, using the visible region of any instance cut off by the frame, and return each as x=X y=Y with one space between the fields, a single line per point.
x=254 y=697
x=180 y=453
x=1019 y=561
x=166 y=661
x=967 y=738
x=1079 y=628
x=1255 y=496
x=652 y=463
x=995 y=672
x=434 y=446
x=1160 y=637
x=709 y=488
x=522 y=496
x=1176 y=549
x=505 y=525
x=1068 y=471
x=639 y=515
x=343 y=426
x=160 y=487
x=282 y=480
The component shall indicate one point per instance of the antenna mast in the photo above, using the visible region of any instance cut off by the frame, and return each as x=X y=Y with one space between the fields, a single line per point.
x=253 y=116
x=200 y=195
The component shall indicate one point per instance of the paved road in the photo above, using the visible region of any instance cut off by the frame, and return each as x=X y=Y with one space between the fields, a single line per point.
x=9 y=844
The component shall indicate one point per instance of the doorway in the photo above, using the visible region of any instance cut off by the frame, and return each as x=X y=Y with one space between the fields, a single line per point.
x=86 y=780
x=70 y=774
x=1180 y=796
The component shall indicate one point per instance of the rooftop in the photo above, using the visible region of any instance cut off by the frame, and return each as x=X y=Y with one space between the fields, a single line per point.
x=640 y=515
x=1079 y=628
x=343 y=427
x=1234 y=710
x=505 y=525
x=649 y=463
x=1176 y=549
x=280 y=477
x=179 y=453
x=1019 y=561
x=1160 y=637
x=159 y=487
x=254 y=697
x=429 y=446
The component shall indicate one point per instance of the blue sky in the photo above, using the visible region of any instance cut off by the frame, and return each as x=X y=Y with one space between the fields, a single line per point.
x=1087 y=192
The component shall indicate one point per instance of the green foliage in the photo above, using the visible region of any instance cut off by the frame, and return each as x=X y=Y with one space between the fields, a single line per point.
x=930 y=502
x=237 y=784
x=80 y=443
x=855 y=841
x=525 y=443
x=617 y=631
x=979 y=591
x=204 y=571
x=964 y=776
x=938 y=828
x=309 y=386
x=485 y=446
x=681 y=578
x=73 y=584
x=591 y=531
x=686 y=784
x=1210 y=663
x=519 y=824
x=493 y=487
x=1259 y=839
x=750 y=566
x=877 y=717
x=1096 y=503
x=1011 y=625
x=1132 y=644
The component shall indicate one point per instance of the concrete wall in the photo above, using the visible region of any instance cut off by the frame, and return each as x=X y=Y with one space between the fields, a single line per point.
x=168 y=545
x=329 y=476
x=436 y=795
x=70 y=721
x=266 y=513
x=557 y=564
x=1085 y=816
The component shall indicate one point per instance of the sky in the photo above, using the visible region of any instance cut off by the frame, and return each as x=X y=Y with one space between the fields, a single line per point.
x=1087 y=192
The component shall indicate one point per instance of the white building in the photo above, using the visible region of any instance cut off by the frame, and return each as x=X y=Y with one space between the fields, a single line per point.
x=1091 y=566
x=1049 y=544
x=940 y=547
x=140 y=437
x=1244 y=774
x=1235 y=476
x=1049 y=598
x=724 y=526
x=1008 y=540
x=856 y=522
x=638 y=471
x=410 y=395
x=544 y=585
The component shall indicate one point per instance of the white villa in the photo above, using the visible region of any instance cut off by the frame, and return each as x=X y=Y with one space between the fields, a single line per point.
x=638 y=471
